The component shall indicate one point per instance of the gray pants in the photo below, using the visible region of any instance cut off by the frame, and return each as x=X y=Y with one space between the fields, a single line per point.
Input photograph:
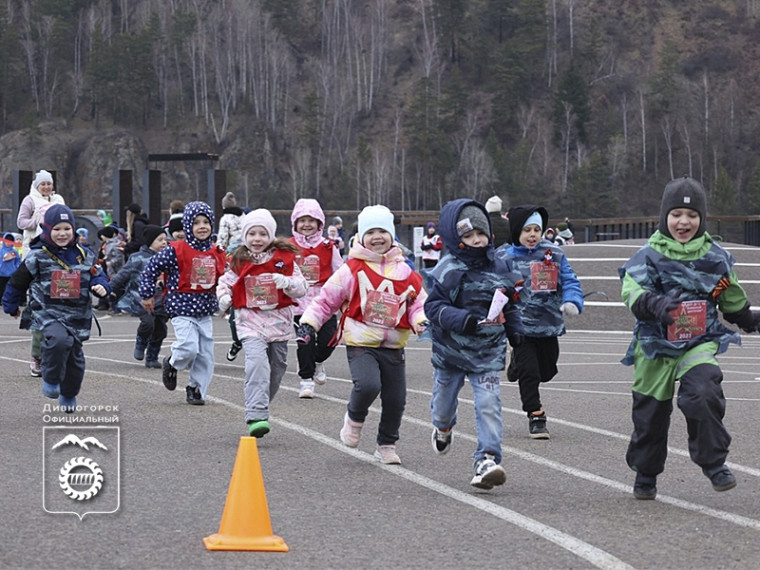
x=378 y=371
x=265 y=365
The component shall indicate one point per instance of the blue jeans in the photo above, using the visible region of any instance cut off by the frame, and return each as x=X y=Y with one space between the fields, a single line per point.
x=485 y=392
x=194 y=349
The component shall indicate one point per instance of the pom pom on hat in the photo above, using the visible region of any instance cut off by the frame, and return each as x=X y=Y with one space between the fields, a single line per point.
x=493 y=204
x=375 y=217
x=42 y=176
x=261 y=217
x=472 y=218
x=228 y=200
x=151 y=232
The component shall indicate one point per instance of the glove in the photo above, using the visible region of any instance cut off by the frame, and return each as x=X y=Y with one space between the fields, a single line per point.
x=280 y=281
x=653 y=307
x=569 y=309
x=744 y=319
x=426 y=247
x=470 y=324
x=304 y=333
x=516 y=339
x=225 y=303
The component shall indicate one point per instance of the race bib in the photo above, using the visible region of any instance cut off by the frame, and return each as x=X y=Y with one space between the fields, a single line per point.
x=381 y=309
x=689 y=321
x=260 y=291
x=309 y=266
x=543 y=276
x=65 y=284
x=203 y=273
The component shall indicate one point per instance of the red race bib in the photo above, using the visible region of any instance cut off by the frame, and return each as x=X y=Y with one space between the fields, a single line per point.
x=689 y=321
x=64 y=284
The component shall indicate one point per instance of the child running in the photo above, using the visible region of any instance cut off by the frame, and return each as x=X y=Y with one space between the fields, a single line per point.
x=318 y=257
x=551 y=292
x=261 y=284
x=60 y=275
x=674 y=286
x=465 y=343
x=382 y=300
x=193 y=267
x=152 y=329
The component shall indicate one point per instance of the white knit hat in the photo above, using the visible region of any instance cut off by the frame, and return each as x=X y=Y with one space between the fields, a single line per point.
x=375 y=217
x=493 y=204
x=261 y=217
x=42 y=176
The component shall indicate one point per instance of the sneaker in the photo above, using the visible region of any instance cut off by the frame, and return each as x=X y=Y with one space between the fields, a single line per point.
x=307 y=389
x=139 y=352
x=169 y=376
x=193 y=396
x=258 y=428
x=320 y=376
x=351 y=432
x=387 y=454
x=488 y=473
x=233 y=351
x=441 y=441
x=722 y=479
x=50 y=390
x=645 y=487
x=153 y=364
x=69 y=405
x=35 y=366
x=537 y=426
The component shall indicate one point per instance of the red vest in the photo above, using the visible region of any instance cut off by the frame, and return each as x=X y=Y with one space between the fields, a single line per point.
x=198 y=270
x=380 y=300
x=255 y=293
x=316 y=263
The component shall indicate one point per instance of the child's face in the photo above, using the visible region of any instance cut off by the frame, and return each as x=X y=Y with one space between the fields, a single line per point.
x=475 y=238
x=202 y=227
x=431 y=230
x=62 y=233
x=683 y=224
x=530 y=236
x=82 y=239
x=377 y=240
x=257 y=239
x=332 y=232
x=307 y=226
x=159 y=243
x=179 y=235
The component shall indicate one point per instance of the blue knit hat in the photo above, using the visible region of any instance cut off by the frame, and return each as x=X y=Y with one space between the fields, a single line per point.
x=54 y=215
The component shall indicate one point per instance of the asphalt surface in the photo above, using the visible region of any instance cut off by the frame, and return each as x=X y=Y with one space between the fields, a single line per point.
x=567 y=502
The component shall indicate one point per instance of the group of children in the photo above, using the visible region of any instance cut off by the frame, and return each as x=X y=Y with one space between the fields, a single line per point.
x=474 y=302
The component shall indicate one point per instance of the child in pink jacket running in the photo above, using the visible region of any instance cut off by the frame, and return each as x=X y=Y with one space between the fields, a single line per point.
x=261 y=283
x=381 y=299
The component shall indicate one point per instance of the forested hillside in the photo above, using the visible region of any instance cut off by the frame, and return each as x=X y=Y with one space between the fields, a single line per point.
x=588 y=106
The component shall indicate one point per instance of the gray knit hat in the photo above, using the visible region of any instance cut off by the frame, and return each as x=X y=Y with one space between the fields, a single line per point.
x=683 y=193
x=228 y=200
x=473 y=218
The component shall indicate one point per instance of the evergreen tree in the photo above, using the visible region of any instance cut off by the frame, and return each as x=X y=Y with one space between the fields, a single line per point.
x=723 y=199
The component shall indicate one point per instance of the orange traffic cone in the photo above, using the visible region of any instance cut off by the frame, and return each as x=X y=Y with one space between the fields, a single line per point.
x=245 y=521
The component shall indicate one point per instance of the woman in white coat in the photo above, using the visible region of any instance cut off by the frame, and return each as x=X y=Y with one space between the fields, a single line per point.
x=32 y=209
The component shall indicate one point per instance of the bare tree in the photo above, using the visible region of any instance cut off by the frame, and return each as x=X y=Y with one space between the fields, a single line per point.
x=667 y=131
x=642 y=111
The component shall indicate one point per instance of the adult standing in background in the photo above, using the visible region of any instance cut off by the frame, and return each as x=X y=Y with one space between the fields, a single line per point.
x=337 y=221
x=499 y=224
x=31 y=213
x=32 y=209
x=136 y=222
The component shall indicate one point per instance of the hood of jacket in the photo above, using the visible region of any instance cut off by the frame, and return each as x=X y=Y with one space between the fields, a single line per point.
x=192 y=211
x=518 y=215
x=447 y=229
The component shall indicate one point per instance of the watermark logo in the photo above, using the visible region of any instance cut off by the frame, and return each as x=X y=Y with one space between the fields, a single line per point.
x=81 y=470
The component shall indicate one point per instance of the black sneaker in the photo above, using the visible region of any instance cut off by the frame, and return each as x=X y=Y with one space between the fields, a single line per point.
x=441 y=441
x=233 y=351
x=193 y=396
x=169 y=375
x=645 y=487
x=723 y=479
x=537 y=426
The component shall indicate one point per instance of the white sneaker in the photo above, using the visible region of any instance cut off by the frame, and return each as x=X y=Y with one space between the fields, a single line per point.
x=351 y=432
x=320 y=376
x=387 y=454
x=488 y=474
x=307 y=389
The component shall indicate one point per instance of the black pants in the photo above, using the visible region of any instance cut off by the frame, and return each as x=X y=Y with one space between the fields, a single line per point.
x=317 y=350
x=535 y=361
x=700 y=398
x=62 y=359
x=152 y=328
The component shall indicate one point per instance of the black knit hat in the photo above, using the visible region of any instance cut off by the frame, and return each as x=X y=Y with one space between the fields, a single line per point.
x=151 y=232
x=108 y=231
x=683 y=193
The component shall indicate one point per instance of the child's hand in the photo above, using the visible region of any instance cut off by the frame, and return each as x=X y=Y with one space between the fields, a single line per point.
x=99 y=290
x=470 y=324
x=225 y=302
x=569 y=309
x=305 y=333
x=148 y=304
x=280 y=281
x=653 y=307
